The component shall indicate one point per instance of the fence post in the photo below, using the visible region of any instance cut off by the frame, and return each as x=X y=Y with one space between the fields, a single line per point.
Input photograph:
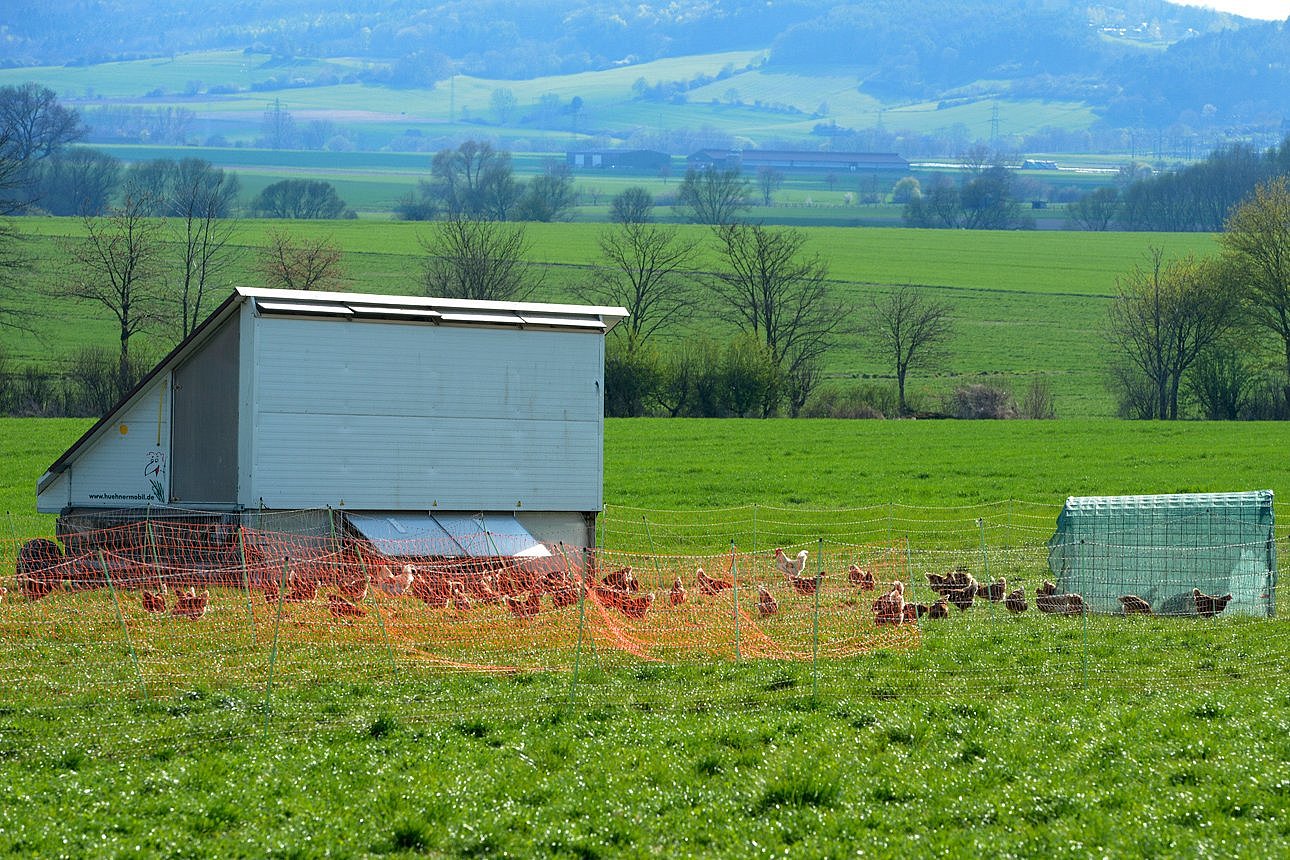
x=389 y=648
x=754 y=538
x=246 y=580
x=985 y=559
x=815 y=626
x=582 y=617
x=1083 y=613
x=909 y=564
x=734 y=578
x=120 y=616
x=653 y=551
x=273 y=654
x=152 y=546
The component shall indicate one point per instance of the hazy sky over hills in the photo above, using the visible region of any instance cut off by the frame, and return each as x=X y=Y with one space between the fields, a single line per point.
x=1268 y=10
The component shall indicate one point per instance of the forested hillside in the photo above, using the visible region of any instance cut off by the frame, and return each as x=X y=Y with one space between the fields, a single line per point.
x=1136 y=63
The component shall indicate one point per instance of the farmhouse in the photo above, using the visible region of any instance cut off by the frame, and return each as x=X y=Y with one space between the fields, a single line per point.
x=619 y=160
x=405 y=416
x=794 y=161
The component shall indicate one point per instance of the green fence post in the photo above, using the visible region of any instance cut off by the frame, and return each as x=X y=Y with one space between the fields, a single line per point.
x=389 y=648
x=754 y=536
x=653 y=550
x=246 y=580
x=909 y=565
x=815 y=626
x=120 y=616
x=985 y=559
x=734 y=578
x=273 y=654
x=582 y=618
x=1083 y=612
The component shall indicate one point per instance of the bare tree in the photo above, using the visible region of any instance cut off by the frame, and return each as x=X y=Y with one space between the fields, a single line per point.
x=312 y=263
x=1097 y=209
x=1165 y=315
x=300 y=199
x=1257 y=245
x=712 y=196
x=768 y=182
x=634 y=205
x=35 y=125
x=201 y=199
x=910 y=331
x=647 y=270
x=119 y=265
x=772 y=289
x=14 y=264
x=473 y=259
x=474 y=180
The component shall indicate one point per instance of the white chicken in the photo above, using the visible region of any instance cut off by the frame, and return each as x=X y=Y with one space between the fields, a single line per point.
x=790 y=567
x=395 y=585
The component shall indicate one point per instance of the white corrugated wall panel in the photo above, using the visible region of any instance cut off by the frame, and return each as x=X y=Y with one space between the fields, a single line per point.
x=392 y=416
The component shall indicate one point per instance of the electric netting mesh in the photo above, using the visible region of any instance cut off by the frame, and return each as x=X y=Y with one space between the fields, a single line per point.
x=888 y=598
x=1164 y=554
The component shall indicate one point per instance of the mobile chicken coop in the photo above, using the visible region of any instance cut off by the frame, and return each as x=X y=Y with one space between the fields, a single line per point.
x=1164 y=549
x=404 y=426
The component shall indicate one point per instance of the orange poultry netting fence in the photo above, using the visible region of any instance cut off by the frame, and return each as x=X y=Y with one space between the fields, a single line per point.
x=867 y=597
x=154 y=604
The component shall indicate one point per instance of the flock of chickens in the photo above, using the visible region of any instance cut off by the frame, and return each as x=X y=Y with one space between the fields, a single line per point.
x=520 y=588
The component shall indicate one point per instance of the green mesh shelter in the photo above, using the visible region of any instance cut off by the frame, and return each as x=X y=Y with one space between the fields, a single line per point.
x=1161 y=547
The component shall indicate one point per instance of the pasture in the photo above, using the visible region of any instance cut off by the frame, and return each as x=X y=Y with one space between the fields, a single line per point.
x=1026 y=302
x=986 y=738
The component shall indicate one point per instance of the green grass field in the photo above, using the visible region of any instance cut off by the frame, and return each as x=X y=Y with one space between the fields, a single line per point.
x=987 y=739
x=1026 y=302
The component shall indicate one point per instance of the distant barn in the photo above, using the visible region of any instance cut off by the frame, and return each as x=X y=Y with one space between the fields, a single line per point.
x=620 y=160
x=798 y=161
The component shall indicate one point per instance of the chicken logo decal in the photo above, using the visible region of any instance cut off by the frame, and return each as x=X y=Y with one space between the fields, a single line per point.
x=153 y=470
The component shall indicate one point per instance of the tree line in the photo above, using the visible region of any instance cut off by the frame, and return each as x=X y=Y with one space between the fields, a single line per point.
x=1212 y=330
x=1197 y=197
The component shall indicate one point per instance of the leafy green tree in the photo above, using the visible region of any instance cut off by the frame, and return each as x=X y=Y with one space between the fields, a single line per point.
x=1165 y=315
x=1257 y=246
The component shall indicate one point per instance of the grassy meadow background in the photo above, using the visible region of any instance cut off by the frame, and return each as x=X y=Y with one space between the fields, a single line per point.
x=1028 y=303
